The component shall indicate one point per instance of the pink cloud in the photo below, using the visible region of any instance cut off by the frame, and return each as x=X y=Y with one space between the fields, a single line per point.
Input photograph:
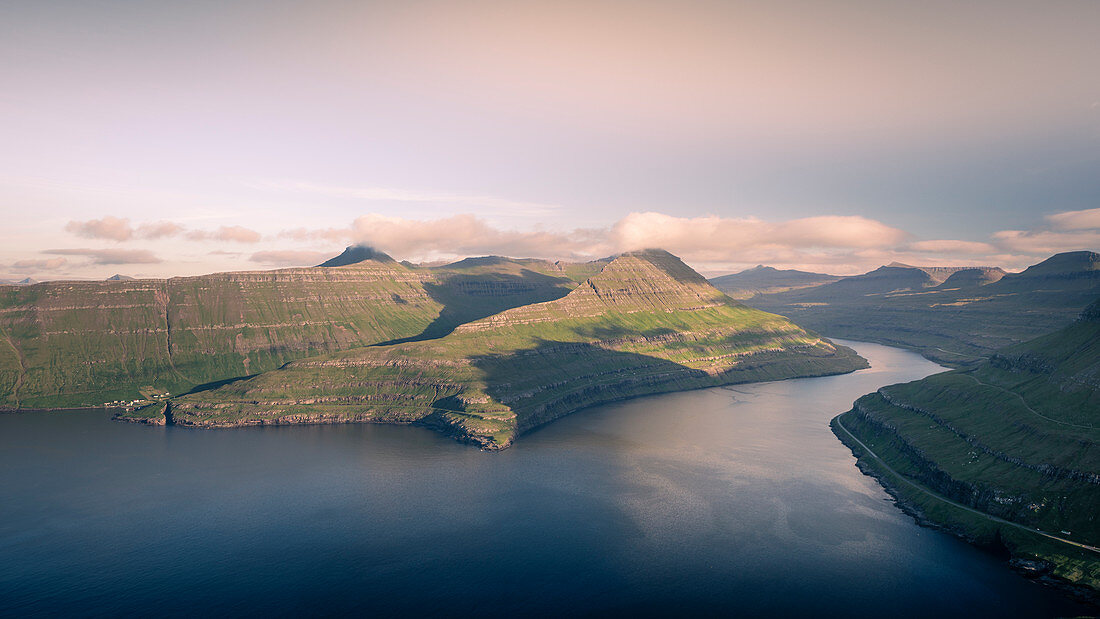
x=158 y=230
x=110 y=228
x=290 y=257
x=1088 y=219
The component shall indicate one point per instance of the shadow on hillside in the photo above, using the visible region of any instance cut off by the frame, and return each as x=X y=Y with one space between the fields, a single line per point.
x=468 y=297
x=554 y=379
x=214 y=384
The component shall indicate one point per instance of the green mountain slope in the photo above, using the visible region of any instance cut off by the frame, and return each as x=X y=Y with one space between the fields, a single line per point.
x=645 y=324
x=953 y=316
x=84 y=343
x=1016 y=437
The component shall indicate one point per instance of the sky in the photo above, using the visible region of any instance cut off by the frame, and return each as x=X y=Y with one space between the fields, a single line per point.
x=163 y=138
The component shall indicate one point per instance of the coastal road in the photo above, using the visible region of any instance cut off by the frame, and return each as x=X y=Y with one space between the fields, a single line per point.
x=960 y=505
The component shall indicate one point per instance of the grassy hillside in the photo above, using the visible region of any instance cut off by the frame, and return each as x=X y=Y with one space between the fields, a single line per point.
x=645 y=324
x=953 y=316
x=85 y=343
x=1016 y=437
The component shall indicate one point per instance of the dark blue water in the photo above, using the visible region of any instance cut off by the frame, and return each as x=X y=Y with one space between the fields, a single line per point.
x=726 y=500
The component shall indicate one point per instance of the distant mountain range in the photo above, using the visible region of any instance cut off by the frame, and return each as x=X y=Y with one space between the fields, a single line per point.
x=762 y=280
x=953 y=315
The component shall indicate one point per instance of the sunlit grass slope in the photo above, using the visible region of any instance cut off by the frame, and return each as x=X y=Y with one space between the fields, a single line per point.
x=645 y=324
x=84 y=343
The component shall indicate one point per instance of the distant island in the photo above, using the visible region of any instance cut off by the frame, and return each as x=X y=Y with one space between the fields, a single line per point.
x=483 y=349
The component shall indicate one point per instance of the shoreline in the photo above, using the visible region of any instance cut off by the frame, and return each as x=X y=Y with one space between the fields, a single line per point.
x=1036 y=569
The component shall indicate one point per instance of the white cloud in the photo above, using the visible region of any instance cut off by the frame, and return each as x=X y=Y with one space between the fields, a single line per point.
x=469 y=235
x=1088 y=219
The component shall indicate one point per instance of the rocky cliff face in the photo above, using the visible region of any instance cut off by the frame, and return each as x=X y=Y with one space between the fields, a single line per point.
x=85 y=343
x=646 y=323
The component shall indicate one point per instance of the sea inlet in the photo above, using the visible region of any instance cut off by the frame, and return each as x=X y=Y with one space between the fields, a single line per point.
x=734 y=500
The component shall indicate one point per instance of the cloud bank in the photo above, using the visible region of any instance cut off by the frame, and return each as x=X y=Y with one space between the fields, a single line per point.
x=120 y=229
x=829 y=243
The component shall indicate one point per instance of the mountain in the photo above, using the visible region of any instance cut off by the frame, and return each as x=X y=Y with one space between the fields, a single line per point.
x=955 y=316
x=644 y=323
x=118 y=277
x=973 y=277
x=83 y=343
x=762 y=280
x=354 y=254
x=1016 y=437
x=1068 y=264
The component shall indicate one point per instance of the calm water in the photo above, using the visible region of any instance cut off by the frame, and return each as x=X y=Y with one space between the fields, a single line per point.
x=720 y=500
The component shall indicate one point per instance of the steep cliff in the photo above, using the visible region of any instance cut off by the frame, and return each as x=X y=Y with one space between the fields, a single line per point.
x=646 y=323
x=1017 y=438
x=85 y=343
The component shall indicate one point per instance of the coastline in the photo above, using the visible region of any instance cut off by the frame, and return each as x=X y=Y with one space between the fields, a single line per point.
x=1033 y=567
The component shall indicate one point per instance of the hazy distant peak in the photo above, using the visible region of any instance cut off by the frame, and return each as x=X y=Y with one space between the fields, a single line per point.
x=974 y=276
x=118 y=277
x=355 y=254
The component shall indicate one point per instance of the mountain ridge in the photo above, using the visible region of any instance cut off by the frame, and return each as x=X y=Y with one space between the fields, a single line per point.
x=955 y=322
x=645 y=323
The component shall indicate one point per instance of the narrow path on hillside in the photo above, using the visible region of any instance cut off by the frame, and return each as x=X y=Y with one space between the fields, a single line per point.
x=1024 y=402
x=22 y=368
x=960 y=505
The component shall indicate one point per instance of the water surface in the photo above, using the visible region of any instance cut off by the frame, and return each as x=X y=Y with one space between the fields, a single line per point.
x=724 y=500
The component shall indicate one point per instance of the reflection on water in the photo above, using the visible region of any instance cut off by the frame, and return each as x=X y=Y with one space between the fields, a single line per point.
x=718 y=500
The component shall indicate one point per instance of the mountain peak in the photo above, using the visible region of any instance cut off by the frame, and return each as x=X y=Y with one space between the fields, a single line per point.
x=664 y=261
x=118 y=277
x=355 y=254
x=1066 y=262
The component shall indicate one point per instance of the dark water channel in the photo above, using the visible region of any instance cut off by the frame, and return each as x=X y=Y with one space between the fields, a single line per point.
x=721 y=501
